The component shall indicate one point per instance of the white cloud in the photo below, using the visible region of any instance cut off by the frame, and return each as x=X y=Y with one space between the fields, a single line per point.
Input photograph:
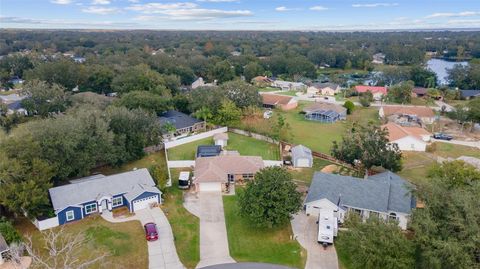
x=100 y=10
x=284 y=9
x=61 y=2
x=318 y=8
x=376 y=5
x=217 y=1
x=449 y=14
x=100 y=2
x=151 y=8
x=133 y=1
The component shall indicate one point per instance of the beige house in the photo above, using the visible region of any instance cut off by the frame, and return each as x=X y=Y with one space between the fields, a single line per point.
x=408 y=138
x=278 y=101
x=220 y=172
x=329 y=89
x=400 y=114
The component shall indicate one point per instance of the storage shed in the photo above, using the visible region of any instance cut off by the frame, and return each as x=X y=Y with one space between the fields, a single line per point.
x=302 y=156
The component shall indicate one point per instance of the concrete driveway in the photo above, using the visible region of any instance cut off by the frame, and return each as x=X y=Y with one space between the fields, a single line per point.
x=208 y=206
x=305 y=230
x=162 y=253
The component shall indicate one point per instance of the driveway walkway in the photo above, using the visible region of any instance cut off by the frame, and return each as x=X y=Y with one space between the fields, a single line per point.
x=305 y=230
x=162 y=253
x=208 y=206
x=475 y=144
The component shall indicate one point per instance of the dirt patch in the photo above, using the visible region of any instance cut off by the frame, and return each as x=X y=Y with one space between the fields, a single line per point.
x=330 y=168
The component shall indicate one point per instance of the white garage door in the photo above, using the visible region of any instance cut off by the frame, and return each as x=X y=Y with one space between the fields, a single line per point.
x=303 y=162
x=210 y=186
x=145 y=202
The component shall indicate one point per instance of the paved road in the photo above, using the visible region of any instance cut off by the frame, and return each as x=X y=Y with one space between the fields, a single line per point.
x=475 y=144
x=305 y=230
x=162 y=253
x=208 y=206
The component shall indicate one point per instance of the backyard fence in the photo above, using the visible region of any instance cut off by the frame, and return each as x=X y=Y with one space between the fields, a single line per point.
x=188 y=139
x=46 y=223
x=253 y=135
x=180 y=164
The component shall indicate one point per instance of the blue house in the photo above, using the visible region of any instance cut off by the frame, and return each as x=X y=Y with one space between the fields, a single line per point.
x=85 y=196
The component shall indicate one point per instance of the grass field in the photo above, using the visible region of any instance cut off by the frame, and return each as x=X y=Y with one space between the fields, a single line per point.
x=250 y=244
x=289 y=93
x=268 y=89
x=185 y=226
x=243 y=144
x=124 y=242
x=315 y=135
x=145 y=162
x=305 y=174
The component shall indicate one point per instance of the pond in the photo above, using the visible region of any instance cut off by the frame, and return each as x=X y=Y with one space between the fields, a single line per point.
x=440 y=67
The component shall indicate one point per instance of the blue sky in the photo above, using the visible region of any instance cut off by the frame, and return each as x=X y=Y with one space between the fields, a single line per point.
x=240 y=14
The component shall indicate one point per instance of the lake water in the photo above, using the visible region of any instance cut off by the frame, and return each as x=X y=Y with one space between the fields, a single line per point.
x=440 y=67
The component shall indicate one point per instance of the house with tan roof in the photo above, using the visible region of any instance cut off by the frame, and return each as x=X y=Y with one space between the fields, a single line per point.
x=278 y=101
x=407 y=138
x=405 y=114
x=219 y=173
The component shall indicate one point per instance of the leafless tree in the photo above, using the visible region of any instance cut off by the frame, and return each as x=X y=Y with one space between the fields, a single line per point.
x=64 y=251
x=15 y=254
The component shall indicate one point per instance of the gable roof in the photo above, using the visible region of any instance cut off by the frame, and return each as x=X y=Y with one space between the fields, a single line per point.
x=92 y=188
x=396 y=132
x=325 y=85
x=300 y=151
x=179 y=119
x=382 y=193
x=373 y=89
x=275 y=99
x=470 y=93
x=419 y=111
x=220 y=136
x=323 y=106
x=216 y=169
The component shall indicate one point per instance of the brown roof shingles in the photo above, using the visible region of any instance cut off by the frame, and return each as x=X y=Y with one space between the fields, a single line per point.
x=216 y=169
x=409 y=110
x=275 y=99
x=396 y=132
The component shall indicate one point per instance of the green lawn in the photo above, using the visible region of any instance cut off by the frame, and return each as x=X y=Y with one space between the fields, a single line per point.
x=145 y=162
x=455 y=151
x=344 y=261
x=185 y=226
x=268 y=89
x=250 y=244
x=243 y=144
x=305 y=174
x=124 y=242
x=289 y=93
x=313 y=134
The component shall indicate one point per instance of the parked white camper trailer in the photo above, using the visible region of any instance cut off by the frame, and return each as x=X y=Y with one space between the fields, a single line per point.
x=327 y=227
x=184 y=180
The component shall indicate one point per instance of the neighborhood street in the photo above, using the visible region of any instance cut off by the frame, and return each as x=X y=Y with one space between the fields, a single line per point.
x=475 y=144
x=305 y=230
x=213 y=232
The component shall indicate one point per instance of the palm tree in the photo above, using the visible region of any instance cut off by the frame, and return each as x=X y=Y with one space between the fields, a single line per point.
x=204 y=113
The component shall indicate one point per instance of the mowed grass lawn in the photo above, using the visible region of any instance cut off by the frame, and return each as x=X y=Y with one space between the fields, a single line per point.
x=250 y=244
x=243 y=144
x=124 y=242
x=313 y=134
x=146 y=162
x=185 y=226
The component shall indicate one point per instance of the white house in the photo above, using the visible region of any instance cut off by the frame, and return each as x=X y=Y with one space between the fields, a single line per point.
x=385 y=195
x=289 y=85
x=201 y=83
x=407 y=138
x=221 y=139
x=302 y=156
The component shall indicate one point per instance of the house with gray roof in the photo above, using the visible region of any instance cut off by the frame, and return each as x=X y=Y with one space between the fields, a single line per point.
x=469 y=94
x=385 y=195
x=90 y=195
x=302 y=156
x=183 y=123
x=325 y=112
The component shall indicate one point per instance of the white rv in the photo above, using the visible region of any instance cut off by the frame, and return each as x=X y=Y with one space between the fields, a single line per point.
x=327 y=227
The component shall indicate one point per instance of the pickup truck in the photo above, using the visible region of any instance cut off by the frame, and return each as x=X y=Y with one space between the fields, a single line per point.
x=442 y=136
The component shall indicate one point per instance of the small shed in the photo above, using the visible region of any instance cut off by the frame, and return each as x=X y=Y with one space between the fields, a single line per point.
x=3 y=249
x=302 y=156
x=221 y=139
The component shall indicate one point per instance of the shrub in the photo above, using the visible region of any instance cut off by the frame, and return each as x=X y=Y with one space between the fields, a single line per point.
x=8 y=231
x=349 y=106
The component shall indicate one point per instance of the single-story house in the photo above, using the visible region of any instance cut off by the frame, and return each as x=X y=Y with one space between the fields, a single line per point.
x=408 y=113
x=329 y=89
x=16 y=80
x=302 y=156
x=16 y=107
x=3 y=249
x=325 y=112
x=79 y=60
x=184 y=124
x=261 y=81
x=289 y=85
x=208 y=150
x=469 y=94
x=278 y=101
x=85 y=196
x=221 y=139
x=407 y=138
x=217 y=173
x=377 y=91
x=385 y=195
x=378 y=58
x=199 y=82
x=419 y=92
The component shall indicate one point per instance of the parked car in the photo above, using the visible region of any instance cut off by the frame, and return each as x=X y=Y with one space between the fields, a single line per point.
x=267 y=114
x=151 y=232
x=442 y=136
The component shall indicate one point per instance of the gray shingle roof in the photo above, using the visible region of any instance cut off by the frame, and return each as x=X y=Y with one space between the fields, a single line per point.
x=92 y=188
x=383 y=192
x=179 y=119
x=469 y=93
x=301 y=151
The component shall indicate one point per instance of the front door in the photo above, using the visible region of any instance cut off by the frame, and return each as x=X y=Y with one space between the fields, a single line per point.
x=104 y=205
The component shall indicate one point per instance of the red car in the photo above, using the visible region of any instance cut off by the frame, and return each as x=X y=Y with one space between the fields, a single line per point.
x=151 y=232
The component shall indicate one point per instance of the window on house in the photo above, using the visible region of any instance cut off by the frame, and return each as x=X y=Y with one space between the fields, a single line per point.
x=247 y=176
x=117 y=201
x=231 y=178
x=392 y=216
x=90 y=208
x=70 y=215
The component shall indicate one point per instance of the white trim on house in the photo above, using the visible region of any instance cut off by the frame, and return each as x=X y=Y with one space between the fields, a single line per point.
x=89 y=211
x=67 y=215
x=115 y=201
